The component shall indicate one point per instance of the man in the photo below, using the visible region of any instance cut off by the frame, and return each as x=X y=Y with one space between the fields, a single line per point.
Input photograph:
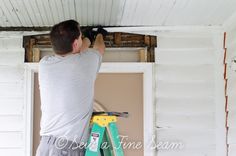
x=66 y=82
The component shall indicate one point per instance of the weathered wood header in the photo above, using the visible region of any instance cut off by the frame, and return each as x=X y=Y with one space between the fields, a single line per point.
x=33 y=43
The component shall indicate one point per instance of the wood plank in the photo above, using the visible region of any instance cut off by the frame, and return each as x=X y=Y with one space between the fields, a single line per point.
x=30 y=12
x=115 y=10
x=129 y=8
x=112 y=40
x=139 y=12
x=41 y=17
x=44 y=12
x=48 y=11
x=143 y=55
x=108 y=12
x=11 y=106
x=121 y=55
x=84 y=15
x=184 y=90
x=117 y=39
x=29 y=49
x=185 y=56
x=207 y=151
x=7 y=43
x=72 y=9
x=12 y=151
x=11 y=90
x=231 y=103
x=21 y=12
x=3 y=20
x=90 y=7
x=96 y=12
x=184 y=73
x=58 y=5
x=13 y=57
x=102 y=13
x=163 y=11
x=232 y=136
x=7 y=137
x=231 y=87
x=66 y=6
x=190 y=138
x=11 y=11
x=186 y=120
x=11 y=74
x=177 y=11
x=232 y=119
x=232 y=150
x=185 y=105
x=78 y=11
x=36 y=55
x=184 y=42
x=11 y=123
x=54 y=11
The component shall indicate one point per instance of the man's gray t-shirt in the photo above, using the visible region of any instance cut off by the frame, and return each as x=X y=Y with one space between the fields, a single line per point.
x=67 y=90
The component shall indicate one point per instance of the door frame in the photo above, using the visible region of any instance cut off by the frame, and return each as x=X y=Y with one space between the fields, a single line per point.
x=148 y=100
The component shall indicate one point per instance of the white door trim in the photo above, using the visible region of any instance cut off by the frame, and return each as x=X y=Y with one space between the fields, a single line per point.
x=145 y=68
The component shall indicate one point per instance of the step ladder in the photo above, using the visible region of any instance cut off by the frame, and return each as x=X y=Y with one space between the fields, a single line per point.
x=104 y=138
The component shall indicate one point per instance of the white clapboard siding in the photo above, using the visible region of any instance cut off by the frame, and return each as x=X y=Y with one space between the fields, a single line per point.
x=185 y=73
x=11 y=140
x=231 y=103
x=11 y=90
x=184 y=43
x=175 y=89
x=231 y=87
x=185 y=94
x=11 y=106
x=11 y=94
x=232 y=149
x=188 y=121
x=190 y=138
x=11 y=74
x=232 y=119
x=191 y=56
x=185 y=105
x=232 y=136
x=11 y=151
x=11 y=123
x=10 y=42
x=230 y=51
x=197 y=152
x=11 y=57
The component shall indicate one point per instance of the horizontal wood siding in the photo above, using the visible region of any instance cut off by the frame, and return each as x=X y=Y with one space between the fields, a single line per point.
x=11 y=96
x=185 y=94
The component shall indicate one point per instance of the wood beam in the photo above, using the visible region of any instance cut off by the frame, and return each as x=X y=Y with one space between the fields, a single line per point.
x=112 y=40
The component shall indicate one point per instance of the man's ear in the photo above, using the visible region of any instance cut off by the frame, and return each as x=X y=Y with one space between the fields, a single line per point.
x=74 y=46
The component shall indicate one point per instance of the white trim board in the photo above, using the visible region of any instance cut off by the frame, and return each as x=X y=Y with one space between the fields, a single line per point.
x=145 y=68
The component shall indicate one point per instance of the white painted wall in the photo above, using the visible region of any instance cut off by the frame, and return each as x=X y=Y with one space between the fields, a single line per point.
x=11 y=96
x=188 y=94
x=231 y=84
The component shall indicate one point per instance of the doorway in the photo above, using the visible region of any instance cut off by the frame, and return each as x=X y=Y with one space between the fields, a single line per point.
x=121 y=92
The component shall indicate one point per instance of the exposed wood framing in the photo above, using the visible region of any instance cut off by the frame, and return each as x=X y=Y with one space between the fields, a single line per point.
x=143 y=55
x=112 y=40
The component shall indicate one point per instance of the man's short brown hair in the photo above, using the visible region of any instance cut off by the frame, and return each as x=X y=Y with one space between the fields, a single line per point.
x=63 y=35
